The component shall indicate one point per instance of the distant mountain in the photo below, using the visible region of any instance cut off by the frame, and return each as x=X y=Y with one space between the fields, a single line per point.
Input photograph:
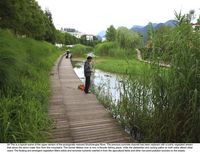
x=142 y=30
x=99 y=37
x=102 y=34
x=137 y=27
x=171 y=23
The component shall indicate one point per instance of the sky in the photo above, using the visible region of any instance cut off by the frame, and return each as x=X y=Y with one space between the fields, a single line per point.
x=94 y=16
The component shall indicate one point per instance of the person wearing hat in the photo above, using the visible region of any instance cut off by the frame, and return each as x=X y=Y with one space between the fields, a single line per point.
x=87 y=73
x=67 y=54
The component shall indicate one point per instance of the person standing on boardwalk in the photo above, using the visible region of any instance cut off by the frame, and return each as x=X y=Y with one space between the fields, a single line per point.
x=87 y=73
x=67 y=54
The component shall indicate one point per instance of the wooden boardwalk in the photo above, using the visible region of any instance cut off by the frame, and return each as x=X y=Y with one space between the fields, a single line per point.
x=79 y=118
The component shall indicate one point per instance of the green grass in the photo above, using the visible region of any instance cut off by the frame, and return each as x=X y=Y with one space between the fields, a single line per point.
x=121 y=66
x=80 y=50
x=24 y=88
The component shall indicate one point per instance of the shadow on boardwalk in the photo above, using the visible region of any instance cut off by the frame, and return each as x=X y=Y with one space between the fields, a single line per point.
x=79 y=117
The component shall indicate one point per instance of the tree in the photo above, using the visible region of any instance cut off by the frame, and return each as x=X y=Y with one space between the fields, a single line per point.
x=60 y=37
x=127 y=39
x=50 y=34
x=25 y=17
x=69 y=39
x=111 y=33
x=9 y=17
x=96 y=40
x=197 y=28
x=32 y=20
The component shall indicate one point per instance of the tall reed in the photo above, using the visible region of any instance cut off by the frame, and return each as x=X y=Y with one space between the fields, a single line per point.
x=173 y=114
x=163 y=105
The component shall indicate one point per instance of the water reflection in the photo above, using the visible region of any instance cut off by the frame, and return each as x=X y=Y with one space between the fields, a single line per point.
x=106 y=83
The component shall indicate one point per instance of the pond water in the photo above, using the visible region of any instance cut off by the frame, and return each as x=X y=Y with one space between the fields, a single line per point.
x=107 y=83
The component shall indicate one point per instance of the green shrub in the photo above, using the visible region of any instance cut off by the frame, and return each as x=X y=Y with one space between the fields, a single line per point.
x=112 y=49
x=80 y=50
x=105 y=49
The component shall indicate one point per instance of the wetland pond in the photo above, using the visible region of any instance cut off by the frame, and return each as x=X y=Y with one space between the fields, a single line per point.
x=107 y=83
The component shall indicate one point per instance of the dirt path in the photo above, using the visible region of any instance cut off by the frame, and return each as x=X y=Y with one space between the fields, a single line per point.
x=139 y=57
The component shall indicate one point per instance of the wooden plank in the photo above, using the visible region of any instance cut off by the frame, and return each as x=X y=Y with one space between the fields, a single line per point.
x=79 y=117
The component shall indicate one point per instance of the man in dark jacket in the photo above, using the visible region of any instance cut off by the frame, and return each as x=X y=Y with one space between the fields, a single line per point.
x=67 y=54
x=87 y=73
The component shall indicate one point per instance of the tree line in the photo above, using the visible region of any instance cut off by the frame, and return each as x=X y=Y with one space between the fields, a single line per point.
x=119 y=42
x=123 y=36
x=26 y=18
x=160 y=41
x=68 y=39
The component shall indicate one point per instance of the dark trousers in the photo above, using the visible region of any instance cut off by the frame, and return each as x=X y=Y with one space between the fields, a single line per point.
x=87 y=84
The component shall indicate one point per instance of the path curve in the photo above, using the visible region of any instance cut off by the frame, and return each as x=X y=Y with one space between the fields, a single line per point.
x=139 y=57
x=79 y=117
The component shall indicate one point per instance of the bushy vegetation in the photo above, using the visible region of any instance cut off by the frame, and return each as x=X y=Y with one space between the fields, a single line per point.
x=120 y=43
x=24 y=88
x=92 y=43
x=127 y=39
x=80 y=50
x=159 y=46
x=109 y=49
x=65 y=38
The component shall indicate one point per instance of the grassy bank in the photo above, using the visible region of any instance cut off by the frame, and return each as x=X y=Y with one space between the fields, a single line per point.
x=121 y=66
x=24 y=88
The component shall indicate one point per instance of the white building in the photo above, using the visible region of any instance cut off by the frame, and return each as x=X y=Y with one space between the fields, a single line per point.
x=77 y=34
x=72 y=31
x=89 y=37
